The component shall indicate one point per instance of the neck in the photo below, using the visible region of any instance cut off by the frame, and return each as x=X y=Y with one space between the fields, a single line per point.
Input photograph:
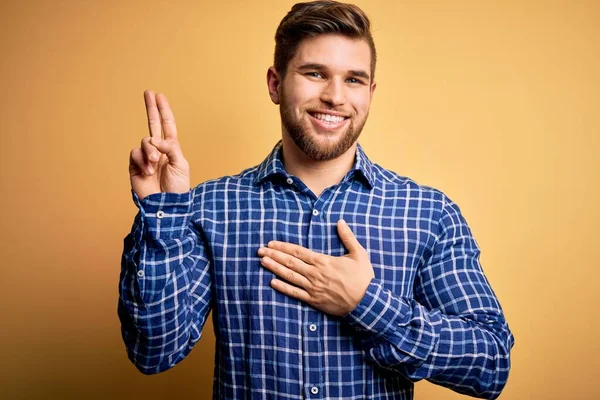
x=317 y=175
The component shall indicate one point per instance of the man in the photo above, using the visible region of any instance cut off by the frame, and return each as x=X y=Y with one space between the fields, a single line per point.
x=328 y=275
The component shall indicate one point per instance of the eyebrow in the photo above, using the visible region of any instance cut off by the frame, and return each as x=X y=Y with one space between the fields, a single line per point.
x=320 y=67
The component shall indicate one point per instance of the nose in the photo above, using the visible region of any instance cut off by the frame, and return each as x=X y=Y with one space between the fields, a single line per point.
x=334 y=93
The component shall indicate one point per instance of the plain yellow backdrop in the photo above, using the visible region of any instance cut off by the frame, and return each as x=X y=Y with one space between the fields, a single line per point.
x=495 y=103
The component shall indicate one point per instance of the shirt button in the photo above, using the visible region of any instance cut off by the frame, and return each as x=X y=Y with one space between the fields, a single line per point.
x=140 y=273
x=315 y=212
x=312 y=327
x=160 y=214
x=289 y=180
x=314 y=390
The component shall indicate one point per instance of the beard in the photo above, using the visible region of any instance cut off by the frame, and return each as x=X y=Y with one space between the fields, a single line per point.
x=300 y=132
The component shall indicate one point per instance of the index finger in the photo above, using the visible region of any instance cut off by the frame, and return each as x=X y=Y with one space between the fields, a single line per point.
x=168 y=120
x=153 y=115
x=308 y=256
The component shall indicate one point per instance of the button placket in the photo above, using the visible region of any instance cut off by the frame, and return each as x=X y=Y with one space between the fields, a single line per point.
x=313 y=343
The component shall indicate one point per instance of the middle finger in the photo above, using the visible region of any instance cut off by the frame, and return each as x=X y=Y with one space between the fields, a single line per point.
x=285 y=273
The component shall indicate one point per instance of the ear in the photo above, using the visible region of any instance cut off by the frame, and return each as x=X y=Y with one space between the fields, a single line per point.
x=373 y=86
x=273 y=84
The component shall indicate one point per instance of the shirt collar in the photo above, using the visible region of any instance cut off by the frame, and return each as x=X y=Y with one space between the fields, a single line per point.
x=272 y=166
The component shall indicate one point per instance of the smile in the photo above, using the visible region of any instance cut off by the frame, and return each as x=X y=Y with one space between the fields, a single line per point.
x=327 y=121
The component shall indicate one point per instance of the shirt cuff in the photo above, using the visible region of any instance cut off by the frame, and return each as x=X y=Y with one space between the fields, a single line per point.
x=165 y=215
x=383 y=317
x=378 y=311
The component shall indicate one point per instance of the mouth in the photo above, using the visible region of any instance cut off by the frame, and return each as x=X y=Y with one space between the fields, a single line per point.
x=328 y=121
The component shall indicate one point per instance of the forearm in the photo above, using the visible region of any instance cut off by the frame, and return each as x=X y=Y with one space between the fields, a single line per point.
x=160 y=322
x=468 y=353
x=161 y=333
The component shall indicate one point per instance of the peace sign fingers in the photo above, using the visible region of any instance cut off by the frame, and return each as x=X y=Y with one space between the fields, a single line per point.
x=160 y=116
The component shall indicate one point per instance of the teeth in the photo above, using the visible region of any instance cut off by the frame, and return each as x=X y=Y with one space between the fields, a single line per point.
x=329 y=118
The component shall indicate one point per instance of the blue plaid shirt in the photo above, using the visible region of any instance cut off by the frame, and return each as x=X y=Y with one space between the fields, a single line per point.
x=428 y=313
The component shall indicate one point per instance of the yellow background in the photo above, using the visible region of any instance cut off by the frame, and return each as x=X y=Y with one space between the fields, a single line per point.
x=494 y=103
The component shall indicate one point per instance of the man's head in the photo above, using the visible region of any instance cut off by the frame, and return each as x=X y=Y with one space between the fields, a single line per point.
x=323 y=76
x=306 y=20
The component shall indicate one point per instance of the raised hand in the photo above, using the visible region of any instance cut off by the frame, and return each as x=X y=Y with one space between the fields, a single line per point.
x=158 y=165
x=334 y=285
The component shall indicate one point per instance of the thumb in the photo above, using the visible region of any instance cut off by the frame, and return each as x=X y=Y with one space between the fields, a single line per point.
x=170 y=148
x=348 y=238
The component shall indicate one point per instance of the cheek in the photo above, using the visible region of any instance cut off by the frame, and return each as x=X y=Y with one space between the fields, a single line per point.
x=361 y=102
x=301 y=92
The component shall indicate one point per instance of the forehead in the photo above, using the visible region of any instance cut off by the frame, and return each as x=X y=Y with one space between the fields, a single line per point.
x=336 y=52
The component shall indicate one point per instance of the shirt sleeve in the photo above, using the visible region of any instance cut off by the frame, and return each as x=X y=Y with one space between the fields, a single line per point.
x=165 y=282
x=453 y=332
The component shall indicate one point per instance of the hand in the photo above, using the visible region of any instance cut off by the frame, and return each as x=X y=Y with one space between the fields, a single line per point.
x=158 y=165
x=334 y=285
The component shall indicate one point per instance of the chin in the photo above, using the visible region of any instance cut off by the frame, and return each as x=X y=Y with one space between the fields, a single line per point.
x=324 y=147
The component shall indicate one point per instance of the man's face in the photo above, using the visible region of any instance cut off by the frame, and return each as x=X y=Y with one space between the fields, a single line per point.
x=326 y=94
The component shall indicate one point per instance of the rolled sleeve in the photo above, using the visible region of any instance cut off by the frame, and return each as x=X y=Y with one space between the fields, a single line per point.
x=166 y=215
